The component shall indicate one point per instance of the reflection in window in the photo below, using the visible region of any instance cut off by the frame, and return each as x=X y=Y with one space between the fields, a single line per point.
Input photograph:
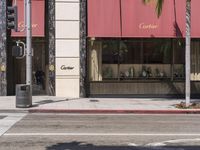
x=157 y=51
x=179 y=51
x=131 y=52
x=110 y=51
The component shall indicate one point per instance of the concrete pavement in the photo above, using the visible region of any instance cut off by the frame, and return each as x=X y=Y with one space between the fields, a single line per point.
x=50 y=131
x=97 y=105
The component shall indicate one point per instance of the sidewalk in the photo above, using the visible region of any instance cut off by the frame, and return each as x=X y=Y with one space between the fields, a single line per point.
x=97 y=105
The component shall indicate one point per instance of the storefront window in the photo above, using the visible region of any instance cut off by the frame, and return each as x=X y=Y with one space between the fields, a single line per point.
x=134 y=59
x=130 y=52
x=110 y=59
x=195 y=60
x=178 y=59
x=157 y=51
x=110 y=52
x=179 y=51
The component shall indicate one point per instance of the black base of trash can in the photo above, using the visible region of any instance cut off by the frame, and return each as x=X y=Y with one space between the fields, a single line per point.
x=23 y=96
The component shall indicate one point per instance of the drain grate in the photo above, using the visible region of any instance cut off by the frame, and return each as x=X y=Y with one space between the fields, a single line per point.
x=94 y=100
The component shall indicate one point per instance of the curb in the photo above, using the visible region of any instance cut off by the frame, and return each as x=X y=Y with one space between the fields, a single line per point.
x=100 y=111
x=13 y=111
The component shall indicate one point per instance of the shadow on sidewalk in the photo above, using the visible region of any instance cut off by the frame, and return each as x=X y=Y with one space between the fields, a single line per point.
x=50 y=101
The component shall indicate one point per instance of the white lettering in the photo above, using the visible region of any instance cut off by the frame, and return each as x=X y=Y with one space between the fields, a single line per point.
x=21 y=25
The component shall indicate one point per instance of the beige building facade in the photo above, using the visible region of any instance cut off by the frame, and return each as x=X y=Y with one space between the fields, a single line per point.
x=67 y=57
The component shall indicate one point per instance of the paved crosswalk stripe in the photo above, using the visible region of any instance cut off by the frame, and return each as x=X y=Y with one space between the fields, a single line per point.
x=10 y=119
x=100 y=134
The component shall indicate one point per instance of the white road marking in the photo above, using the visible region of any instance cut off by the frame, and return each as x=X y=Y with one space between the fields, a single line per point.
x=183 y=140
x=156 y=144
x=178 y=141
x=99 y=134
x=10 y=119
x=133 y=144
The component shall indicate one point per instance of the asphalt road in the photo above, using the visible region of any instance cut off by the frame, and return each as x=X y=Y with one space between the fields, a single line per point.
x=100 y=132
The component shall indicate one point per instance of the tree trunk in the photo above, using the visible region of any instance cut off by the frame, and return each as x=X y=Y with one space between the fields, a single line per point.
x=187 y=52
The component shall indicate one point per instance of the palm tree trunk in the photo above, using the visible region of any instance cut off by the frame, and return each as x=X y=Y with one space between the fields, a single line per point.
x=187 y=52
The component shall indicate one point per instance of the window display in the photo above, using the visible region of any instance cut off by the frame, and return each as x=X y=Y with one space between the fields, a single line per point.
x=135 y=59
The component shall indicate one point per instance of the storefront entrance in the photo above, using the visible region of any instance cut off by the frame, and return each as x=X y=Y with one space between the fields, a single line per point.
x=17 y=68
x=133 y=55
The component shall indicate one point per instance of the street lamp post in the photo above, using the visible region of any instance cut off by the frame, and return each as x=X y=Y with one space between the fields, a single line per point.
x=28 y=45
x=187 y=52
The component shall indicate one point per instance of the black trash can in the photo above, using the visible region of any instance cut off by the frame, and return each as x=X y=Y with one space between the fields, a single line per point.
x=23 y=96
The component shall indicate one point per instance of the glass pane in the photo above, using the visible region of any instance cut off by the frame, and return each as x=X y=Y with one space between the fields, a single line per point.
x=179 y=59
x=179 y=51
x=110 y=59
x=195 y=60
x=130 y=52
x=95 y=64
x=130 y=59
x=157 y=51
x=110 y=51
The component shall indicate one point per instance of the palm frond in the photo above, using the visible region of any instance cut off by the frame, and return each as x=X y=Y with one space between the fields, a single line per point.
x=159 y=5
x=146 y=1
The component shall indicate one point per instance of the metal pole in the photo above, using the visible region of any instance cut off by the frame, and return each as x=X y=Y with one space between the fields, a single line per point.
x=187 y=53
x=28 y=45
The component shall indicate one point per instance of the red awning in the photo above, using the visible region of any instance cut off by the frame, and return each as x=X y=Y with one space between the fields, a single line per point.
x=104 y=18
x=38 y=8
x=195 y=19
x=139 y=20
x=134 y=19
